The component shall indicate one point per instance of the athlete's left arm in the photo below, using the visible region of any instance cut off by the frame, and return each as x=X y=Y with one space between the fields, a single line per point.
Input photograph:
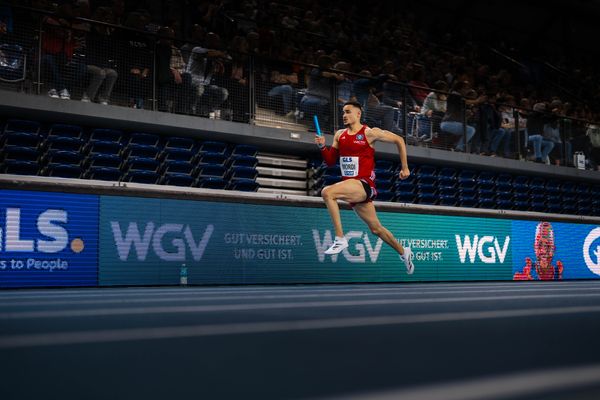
x=377 y=134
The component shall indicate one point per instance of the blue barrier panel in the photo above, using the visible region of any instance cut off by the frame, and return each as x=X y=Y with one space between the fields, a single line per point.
x=554 y=250
x=48 y=239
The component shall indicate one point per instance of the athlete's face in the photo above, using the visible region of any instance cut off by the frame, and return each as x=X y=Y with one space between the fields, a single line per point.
x=351 y=115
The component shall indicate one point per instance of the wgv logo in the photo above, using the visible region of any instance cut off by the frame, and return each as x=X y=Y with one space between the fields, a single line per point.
x=361 y=248
x=486 y=248
x=153 y=236
x=49 y=224
x=591 y=247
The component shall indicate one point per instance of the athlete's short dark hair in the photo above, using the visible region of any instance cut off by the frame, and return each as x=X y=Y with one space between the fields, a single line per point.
x=353 y=103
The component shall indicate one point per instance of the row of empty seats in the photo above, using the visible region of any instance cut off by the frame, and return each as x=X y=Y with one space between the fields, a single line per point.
x=449 y=186
x=72 y=152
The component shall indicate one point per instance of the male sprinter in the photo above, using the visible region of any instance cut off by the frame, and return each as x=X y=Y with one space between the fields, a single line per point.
x=354 y=147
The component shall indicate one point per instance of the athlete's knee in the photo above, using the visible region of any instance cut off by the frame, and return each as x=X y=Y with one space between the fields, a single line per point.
x=376 y=229
x=327 y=193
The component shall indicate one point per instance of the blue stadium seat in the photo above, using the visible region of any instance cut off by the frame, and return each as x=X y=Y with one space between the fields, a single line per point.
x=504 y=182
x=448 y=200
x=537 y=185
x=385 y=195
x=552 y=187
x=62 y=170
x=62 y=143
x=243 y=161
x=244 y=185
x=139 y=176
x=426 y=198
x=405 y=197
x=521 y=184
x=538 y=206
x=64 y=130
x=177 y=179
x=385 y=165
x=103 y=147
x=583 y=188
x=447 y=177
x=487 y=178
x=211 y=183
x=22 y=126
x=19 y=153
x=106 y=135
x=385 y=184
x=467 y=200
x=103 y=161
x=426 y=171
x=213 y=147
x=569 y=208
x=245 y=150
x=141 y=150
x=21 y=139
x=386 y=176
x=18 y=167
x=242 y=172
x=180 y=143
x=103 y=173
x=211 y=170
x=146 y=139
x=212 y=158
x=175 y=154
x=62 y=157
x=467 y=179
x=141 y=164
x=178 y=167
x=568 y=187
x=522 y=205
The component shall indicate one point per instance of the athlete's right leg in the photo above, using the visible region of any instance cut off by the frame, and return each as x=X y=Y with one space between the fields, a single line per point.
x=350 y=190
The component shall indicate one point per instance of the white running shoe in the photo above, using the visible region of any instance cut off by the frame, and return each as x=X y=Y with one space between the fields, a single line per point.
x=339 y=244
x=64 y=94
x=407 y=259
x=53 y=93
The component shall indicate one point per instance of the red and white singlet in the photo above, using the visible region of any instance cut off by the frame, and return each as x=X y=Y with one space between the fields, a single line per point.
x=357 y=157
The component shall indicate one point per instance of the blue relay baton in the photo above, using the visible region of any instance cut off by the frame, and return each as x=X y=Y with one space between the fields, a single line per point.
x=317 y=127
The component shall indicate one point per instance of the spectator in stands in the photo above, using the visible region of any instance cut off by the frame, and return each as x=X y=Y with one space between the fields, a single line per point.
x=506 y=130
x=419 y=89
x=236 y=79
x=535 y=132
x=434 y=105
x=136 y=60
x=205 y=64
x=100 y=58
x=58 y=47
x=552 y=132
x=282 y=84
x=317 y=99
x=198 y=35
x=453 y=121
x=593 y=133
x=174 y=85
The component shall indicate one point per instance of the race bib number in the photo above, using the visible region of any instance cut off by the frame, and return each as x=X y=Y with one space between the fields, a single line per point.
x=349 y=166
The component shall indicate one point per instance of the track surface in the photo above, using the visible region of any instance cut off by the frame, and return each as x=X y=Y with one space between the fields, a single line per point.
x=411 y=341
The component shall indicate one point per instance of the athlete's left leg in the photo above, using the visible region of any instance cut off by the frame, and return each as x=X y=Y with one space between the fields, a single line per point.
x=366 y=211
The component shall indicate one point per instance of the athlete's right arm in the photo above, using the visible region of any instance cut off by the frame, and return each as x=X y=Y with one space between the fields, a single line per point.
x=330 y=154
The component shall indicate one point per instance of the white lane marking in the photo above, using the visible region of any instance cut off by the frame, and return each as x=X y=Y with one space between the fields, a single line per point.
x=196 y=298
x=95 y=312
x=537 y=382
x=418 y=288
x=172 y=332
